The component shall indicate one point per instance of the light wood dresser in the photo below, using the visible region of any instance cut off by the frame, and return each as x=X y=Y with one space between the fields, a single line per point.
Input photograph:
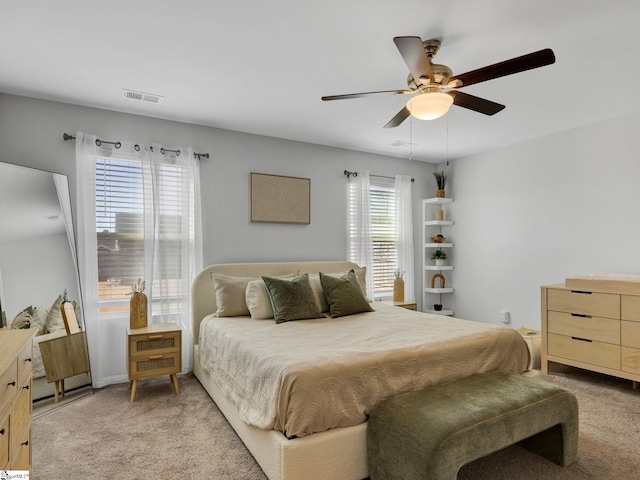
x=153 y=351
x=592 y=327
x=15 y=398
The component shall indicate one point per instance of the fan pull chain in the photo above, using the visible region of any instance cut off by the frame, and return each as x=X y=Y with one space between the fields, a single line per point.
x=411 y=138
x=447 y=162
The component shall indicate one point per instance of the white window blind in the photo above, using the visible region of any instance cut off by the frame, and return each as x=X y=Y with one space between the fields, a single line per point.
x=383 y=203
x=120 y=224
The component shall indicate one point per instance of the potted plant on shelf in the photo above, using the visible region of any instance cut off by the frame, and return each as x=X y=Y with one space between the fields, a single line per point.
x=439 y=256
x=441 y=181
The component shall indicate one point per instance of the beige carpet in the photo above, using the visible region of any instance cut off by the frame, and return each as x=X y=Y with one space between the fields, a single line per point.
x=163 y=435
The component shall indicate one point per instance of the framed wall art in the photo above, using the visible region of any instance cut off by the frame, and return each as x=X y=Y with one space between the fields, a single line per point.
x=279 y=199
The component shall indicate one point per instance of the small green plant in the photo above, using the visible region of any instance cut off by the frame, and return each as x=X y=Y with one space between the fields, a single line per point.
x=398 y=273
x=441 y=179
x=439 y=254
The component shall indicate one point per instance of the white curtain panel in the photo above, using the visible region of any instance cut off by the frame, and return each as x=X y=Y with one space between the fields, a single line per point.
x=404 y=234
x=106 y=331
x=359 y=241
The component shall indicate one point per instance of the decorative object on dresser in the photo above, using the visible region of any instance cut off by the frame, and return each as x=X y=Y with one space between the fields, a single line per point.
x=138 y=305
x=16 y=354
x=593 y=322
x=153 y=351
x=398 y=286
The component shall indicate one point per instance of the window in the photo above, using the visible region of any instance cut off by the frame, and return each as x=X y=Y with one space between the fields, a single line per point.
x=383 y=234
x=121 y=223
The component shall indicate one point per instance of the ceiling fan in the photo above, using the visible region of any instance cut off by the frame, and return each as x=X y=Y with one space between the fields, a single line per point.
x=427 y=80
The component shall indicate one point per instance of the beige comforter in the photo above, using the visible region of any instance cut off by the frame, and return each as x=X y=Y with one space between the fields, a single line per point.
x=312 y=375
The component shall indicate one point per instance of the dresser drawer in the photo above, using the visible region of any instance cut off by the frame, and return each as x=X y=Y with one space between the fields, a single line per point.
x=156 y=343
x=591 y=328
x=25 y=358
x=22 y=453
x=4 y=442
x=631 y=360
x=585 y=303
x=155 y=365
x=630 y=307
x=590 y=352
x=21 y=415
x=630 y=334
x=8 y=385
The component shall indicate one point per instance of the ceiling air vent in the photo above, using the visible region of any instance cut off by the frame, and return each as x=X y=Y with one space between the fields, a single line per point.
x=141 y=96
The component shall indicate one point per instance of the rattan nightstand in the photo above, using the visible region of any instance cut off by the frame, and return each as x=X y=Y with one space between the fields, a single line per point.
x=153 y=351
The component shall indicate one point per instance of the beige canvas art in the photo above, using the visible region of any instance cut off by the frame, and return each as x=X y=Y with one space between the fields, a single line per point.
x=280 y=199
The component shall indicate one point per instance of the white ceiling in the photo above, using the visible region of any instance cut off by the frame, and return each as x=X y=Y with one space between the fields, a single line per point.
x=261 y=66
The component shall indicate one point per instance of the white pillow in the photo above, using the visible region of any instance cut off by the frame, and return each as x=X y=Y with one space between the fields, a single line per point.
x=258 y=300
x=39 y=319
x=55 y=322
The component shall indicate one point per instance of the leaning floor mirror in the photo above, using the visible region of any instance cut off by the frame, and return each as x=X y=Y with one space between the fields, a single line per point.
x=39 y=287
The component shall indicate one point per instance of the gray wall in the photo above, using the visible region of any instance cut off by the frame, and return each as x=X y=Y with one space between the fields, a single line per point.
x=31 y=135
x=535 y=213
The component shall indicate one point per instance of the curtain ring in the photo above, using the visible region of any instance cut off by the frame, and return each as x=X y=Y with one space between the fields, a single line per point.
x=162 y=150
x=136 y=147
x=98 y=142
x=178 y=153
x=117 y=144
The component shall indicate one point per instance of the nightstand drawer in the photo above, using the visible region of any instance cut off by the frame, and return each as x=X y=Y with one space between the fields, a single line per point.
x=592 y=328
x=590 y=352
x=155 y=364
x=631 y=360
x=585 y=303
x=158 y=343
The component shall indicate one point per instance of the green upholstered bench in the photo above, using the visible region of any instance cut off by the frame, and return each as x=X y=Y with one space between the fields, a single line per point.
x=432 y=433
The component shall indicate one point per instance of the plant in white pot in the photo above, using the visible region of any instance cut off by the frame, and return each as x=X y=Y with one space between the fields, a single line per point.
x=439 y=256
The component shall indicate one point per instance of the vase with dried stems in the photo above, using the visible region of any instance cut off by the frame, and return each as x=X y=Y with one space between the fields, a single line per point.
x=398 y=286
x=441 y=181
x=138 y=306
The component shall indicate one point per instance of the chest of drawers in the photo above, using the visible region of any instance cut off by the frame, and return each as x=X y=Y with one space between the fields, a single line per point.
x=15 y=399
x=592 y=330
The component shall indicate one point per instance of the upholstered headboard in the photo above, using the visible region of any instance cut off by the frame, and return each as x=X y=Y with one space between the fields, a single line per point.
x=203 y=297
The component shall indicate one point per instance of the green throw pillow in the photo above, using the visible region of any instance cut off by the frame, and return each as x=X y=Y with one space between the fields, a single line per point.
x=344 y=295
x=291 y=299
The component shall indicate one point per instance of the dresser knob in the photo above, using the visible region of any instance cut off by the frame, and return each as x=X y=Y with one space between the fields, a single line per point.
x=2 y=432
x=28 y=359
x=25 y=387
x=25 y=444
x=11 y=384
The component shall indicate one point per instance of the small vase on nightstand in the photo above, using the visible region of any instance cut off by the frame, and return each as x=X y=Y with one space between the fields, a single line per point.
x=138 y=306
x=398 y=290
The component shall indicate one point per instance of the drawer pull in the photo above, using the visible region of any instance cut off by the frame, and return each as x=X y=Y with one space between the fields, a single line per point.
x=581 y=339
x=11 y=384
x=155 y=337
x=25 y=387
x=581 y=315
x=156 y=357
x=25 y=444
x=581 y=292
x=28 y=359
x=2 y=432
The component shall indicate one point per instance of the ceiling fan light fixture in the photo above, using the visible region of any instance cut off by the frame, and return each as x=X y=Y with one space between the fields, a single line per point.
x=429 y=106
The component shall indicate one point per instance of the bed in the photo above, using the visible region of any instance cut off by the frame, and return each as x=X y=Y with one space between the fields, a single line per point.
x=300 y=367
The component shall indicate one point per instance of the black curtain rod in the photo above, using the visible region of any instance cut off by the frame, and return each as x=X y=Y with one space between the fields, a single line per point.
x=355 y=174
x=163 y=150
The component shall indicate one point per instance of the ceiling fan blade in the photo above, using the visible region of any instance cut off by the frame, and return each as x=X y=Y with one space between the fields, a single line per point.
x=413 y=53
x=400 y=117
x=508 y=67
x=364 y=94
x=474 y=103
